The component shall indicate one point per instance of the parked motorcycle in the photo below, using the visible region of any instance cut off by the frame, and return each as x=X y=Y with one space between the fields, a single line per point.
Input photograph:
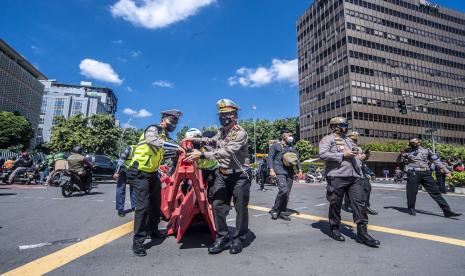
x=313 y=177
x=71 y=183
x=31 y=175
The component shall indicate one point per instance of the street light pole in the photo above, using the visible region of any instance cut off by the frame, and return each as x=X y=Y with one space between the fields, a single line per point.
x=254 y=136
x=120 y=143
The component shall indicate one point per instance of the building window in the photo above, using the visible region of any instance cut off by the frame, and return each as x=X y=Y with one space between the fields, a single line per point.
x=43 y=107
x=77 y=108
x=59 y=107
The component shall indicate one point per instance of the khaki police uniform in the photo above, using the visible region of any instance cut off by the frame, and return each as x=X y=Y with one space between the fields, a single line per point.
x=342 y=175
x=229 y=149
x=419 y=173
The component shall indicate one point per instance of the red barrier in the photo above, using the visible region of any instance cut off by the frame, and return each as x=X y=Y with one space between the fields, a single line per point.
x=184 y=199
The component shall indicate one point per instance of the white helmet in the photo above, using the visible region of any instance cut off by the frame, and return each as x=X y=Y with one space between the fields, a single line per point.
x=193 y=132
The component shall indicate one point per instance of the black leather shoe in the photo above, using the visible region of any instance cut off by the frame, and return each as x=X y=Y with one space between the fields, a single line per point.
x=121 y=213
x=411 y=211
x=236 y=246
x=348 y=209
x=335 y=233
x=274 y=215
x=218 y=246
x=158 y=235
x=449 y=214
x=139 y=250
x=284 y=217
x=363 y=237
x=371 y=211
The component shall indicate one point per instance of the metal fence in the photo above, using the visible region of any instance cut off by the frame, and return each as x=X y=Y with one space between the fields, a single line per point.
x=6 y=154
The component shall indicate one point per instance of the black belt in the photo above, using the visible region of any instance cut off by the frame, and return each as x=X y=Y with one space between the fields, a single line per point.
x=418 y=170
x=229 y=171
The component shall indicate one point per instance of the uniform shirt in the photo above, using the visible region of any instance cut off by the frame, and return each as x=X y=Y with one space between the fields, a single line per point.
x=331 y=150
x=275 y=158
x=419 y=159
x=229 y=148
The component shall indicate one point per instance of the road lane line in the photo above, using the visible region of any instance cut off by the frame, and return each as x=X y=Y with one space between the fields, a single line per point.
x=68 y=254
x=383 y=229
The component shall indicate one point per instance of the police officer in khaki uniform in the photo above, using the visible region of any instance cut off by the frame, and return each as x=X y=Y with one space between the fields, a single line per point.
x=343 y=170
x=229 y=148
x=142 y=175
x=416 y=159
x=365 y=178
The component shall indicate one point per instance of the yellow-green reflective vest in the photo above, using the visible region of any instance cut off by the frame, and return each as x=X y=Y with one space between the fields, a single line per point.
x=206 y=164
x=148 y=158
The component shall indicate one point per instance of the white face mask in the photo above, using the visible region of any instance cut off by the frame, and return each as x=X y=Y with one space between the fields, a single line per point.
x=290 y=139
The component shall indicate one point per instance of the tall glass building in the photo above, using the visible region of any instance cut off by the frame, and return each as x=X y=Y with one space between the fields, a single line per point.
x=358 y=58
x=20 y=88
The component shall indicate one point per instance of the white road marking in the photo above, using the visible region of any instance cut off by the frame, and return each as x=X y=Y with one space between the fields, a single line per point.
x=260 y=215
x=233 y=219
x=321 y=204
x=42 y=244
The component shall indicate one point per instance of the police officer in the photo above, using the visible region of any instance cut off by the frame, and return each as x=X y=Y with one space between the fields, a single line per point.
x=283 y=172
x=142 y=175
x=232 y=180
x=343 y=170
x=365 y=177
x=416 y=159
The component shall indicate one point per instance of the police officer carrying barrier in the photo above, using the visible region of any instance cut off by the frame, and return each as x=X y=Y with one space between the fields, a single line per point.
x=365 y=178
x=142 y=175
x=416 y=159
x=232 y=179
x=343 y=170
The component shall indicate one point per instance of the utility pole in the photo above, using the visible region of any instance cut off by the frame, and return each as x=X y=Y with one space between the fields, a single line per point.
x=254 y=136
x=120 y=143
x=432 y=131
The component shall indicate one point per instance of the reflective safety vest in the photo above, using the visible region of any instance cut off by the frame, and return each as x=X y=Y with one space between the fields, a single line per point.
x=207 y=164
x=147 y=157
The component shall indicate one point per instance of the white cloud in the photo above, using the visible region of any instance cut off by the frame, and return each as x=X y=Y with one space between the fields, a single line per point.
x=280 y=71
x=154 y=14
x=97 y=70
x=136 y=54
x=129 y=89
x=163 y=83
x=143 y=113
x=36 y=49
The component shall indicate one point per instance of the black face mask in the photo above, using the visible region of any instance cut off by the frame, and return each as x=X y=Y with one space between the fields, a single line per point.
x=225 y=121
x=414 y=145
x=170 y=127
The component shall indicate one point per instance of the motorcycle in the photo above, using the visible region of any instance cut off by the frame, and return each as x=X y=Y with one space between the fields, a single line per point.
x=28 y=177
x=71 y=183
x=313 y=177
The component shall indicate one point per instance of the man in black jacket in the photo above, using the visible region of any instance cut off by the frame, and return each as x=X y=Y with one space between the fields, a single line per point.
x=21 y=165
x=282 y=158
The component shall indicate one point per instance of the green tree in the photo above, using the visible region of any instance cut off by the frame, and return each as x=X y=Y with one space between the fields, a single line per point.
x=305 y=149
x=291 y=123
x=181 y=134
x=15 y=131
x=97 y=134
x=264 y=132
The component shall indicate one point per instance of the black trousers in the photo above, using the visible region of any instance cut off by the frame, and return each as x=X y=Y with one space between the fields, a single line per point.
x=209 y=177
x=335 y=190
x=441 y=179
x=147 y=189
x=414 y=179
x=284 y=183
x=236 y=186
x=366 y=190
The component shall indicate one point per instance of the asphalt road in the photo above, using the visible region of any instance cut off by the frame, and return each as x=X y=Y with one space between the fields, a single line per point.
x=34 y=215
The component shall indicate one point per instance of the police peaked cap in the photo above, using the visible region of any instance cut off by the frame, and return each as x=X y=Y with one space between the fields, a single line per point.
x=172 y=113
x=337 y=120
x=225 y=105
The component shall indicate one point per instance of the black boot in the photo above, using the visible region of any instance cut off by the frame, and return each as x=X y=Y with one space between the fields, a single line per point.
x=363 y=237
x=371 y=211
x=139 y=249
x=121 y=213
x=449 y=213
x=274 y=215
x=219 y=245
x=411 y=211
x=236 y=246
x=284 y=217
x=335 y=233
x=348 y=209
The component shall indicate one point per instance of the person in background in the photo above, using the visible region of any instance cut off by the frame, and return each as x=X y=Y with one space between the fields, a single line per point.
x=9 y=163
x=121 y=181
x=21 y=165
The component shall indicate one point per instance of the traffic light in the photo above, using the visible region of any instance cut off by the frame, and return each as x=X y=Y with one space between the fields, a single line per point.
x=402 y=106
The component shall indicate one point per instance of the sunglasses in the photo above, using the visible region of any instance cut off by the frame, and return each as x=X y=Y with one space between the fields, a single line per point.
x=343 y=125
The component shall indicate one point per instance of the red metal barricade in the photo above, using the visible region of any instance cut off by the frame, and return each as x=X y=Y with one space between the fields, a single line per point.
x=184 y=199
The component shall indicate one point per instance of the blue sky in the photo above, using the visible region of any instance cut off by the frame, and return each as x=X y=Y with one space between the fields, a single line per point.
x=160 y=54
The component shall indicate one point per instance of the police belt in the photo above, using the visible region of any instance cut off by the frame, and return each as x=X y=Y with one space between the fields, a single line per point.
x=229 y=171
x=418 y=169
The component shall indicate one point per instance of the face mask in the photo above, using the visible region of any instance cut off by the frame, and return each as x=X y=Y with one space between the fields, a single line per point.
x=170 y=127
x=290 y=140
x=225 y=121
x=414 y=145
x=344 y=130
